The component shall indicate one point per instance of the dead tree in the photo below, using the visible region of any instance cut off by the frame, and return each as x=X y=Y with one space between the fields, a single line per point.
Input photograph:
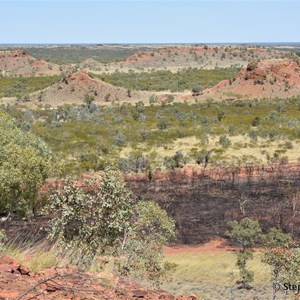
x=295 y=201
x=243 y=199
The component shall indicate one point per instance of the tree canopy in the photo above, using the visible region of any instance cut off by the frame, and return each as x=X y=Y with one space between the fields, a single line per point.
x=103 y=219
x=25 y=163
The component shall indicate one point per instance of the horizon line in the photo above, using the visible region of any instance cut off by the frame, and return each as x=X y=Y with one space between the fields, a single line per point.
x=141 y=43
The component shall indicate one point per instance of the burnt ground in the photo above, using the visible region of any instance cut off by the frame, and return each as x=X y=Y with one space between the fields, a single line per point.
x=203 y=203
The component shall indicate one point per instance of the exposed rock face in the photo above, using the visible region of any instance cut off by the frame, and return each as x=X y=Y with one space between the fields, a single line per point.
x=69 y=283
x=264 y=79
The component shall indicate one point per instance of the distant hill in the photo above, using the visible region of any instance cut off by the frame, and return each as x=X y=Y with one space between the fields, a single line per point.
x=19 y=63
x=206 y=57
x=264 y=79
x=74 y=88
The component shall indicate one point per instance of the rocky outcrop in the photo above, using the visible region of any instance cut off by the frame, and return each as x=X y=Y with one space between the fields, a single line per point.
x=17 y=282
x=264 y=79
x=73 y=88
x=15 y=63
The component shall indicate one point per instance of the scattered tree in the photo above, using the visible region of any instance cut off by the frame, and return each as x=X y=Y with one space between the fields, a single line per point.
x=246 y=233
x=196 y=90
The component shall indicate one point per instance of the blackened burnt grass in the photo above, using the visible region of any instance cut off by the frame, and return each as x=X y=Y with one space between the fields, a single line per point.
x=139 y=138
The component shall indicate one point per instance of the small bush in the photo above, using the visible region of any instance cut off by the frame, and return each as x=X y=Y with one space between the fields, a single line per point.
x=224 y=141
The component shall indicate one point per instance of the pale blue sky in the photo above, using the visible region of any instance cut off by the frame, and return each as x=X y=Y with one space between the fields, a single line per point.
x=149 y=21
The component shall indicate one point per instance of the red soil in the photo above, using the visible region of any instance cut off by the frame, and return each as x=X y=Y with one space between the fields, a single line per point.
x=215 y=173
x=81 y=77
x=20 y=63
x=232 y=54
x=38 y=62
x=264 y=79
x=17 y=282
x=216 y=246
x=142 y=56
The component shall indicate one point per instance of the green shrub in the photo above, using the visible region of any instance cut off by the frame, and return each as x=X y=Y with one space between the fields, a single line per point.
x=224 y=141
x=25 y=163
x=255 y=121
x=108 y=222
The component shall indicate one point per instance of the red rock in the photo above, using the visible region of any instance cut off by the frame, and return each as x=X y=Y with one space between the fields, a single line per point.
x=50 y=288
x=139 y=293
x=5 y=260
x=23 y=270
x=166 y=296
x=85 y=285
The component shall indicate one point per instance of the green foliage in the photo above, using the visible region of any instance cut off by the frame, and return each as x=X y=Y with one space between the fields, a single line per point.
x=224 y=141
x=25 y=163
x=243 y=257
x=188 y=79
x=162 y=125
x=151 y=230
x=179 y=159
x=276 y=238
x=282 y=256
x=77 y=133
x=175 y=161
x=66 y=54
x=3 y=239
x=22 y=86
x=88 y=225
x=88 y=99
x=220 y=115
x=136 y=162
x=246 y=233
x=255 y=121
x=101 y=219
x=196 y=89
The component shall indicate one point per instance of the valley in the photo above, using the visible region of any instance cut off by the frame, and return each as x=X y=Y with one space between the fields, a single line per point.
x=134 y=167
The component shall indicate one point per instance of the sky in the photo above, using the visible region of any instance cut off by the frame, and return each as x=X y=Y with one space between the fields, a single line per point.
x=217 y=21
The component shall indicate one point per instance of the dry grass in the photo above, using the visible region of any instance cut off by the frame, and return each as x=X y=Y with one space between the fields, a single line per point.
x=241 y=146
x=208 y=275
x=214 y=267
x=212 y=275
x=36 y=257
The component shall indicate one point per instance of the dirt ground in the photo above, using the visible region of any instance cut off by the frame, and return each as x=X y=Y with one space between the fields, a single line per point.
x=17 y=282
x=217 y=245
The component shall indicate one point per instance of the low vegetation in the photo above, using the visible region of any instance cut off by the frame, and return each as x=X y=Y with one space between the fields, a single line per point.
x=99 y=219
x=104 y=220
x=180 y=81
x=66 y=54
x=246 y=273
x=139 y=138
x=100 y=225
x=25 y=163
x=213 y=275
x=22 y=86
